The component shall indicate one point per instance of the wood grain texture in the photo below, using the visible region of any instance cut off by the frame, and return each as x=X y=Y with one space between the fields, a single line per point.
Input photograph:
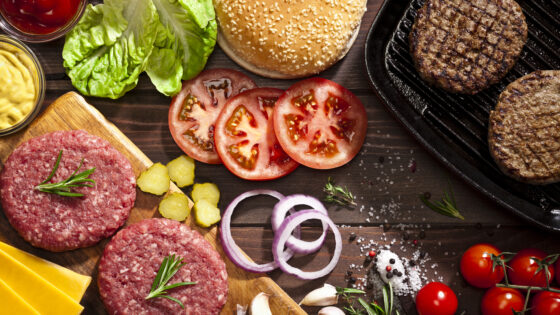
x=142 y=116
x=71 y=111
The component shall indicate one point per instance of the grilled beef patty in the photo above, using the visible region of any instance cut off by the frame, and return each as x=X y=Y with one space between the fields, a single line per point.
x=524 y=128
x=466 y=46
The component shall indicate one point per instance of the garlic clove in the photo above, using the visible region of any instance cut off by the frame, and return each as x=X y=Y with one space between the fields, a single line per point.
x=323 y=296
x=259 y=305
x=241 y=310
x=331 y=310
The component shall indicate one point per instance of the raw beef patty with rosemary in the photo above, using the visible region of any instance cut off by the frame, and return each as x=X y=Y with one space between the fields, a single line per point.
x=131 y=261
x=66 y=190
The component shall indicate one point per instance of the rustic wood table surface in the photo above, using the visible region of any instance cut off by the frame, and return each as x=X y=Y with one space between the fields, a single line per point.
x=387 y=177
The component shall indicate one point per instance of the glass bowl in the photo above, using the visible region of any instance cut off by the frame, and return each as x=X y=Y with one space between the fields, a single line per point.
x=7 y=27
x=16 y=46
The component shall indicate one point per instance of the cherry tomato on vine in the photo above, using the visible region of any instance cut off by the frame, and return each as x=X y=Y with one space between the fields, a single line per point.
x=558 y=271
x=436 y=298
x=524 y=268
x=546 y=303
x=476 y=266
x=502 y=301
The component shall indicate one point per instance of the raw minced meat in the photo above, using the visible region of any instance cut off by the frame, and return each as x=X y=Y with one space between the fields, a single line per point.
x=132 y=258
x=60 y=223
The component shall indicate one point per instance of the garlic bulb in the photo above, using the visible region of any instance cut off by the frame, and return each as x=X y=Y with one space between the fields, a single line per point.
x=324 y=296
x=259 y=305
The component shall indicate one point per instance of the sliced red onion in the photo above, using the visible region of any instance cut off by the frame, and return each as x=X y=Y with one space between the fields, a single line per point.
x=230 y=247
x=284 y=206
x=285 y=231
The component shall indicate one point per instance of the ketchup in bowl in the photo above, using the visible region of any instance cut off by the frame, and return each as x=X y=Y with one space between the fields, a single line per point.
x=39 y=16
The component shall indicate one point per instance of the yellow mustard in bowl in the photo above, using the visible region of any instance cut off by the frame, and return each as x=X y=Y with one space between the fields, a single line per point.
x=19 y=88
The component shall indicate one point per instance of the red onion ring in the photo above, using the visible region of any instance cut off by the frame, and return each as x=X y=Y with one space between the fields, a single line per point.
x=285 y=231
x=279 y=213
x=230 y=247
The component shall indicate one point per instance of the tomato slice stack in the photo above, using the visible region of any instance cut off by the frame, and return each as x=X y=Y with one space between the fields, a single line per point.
x=245 y=138
x=320 y=124
x=263 y=133
x=195 y=109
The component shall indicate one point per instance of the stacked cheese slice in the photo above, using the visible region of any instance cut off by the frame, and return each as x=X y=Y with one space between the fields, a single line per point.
x=31 y=285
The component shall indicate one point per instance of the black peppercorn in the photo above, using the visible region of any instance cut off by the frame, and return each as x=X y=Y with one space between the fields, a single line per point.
x=392 y=261
x=422 y=234
x=389 y=275
x=352 y=237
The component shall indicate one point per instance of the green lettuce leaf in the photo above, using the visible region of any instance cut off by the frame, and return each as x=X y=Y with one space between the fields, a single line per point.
x=109 y=48
x=182 y=50
x=116 y=41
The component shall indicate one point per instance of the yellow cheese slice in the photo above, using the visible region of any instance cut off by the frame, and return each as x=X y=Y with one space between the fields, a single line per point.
x=68 y=281
x=38 y=292
x=11 y=303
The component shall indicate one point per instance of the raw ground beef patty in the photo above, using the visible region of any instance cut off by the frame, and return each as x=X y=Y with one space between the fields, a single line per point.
x=60 y=223
x=131 y=260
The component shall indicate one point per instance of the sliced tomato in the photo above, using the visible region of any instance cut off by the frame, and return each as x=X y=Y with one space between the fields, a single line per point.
x=194 y=110
x=245 y=138
x=320 y=124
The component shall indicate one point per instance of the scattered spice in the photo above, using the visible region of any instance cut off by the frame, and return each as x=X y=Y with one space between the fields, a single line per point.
x=372 y=253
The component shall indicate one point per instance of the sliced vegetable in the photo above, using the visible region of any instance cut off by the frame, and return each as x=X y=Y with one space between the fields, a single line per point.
x=194 y=110
x=206 y=191
x=285 y=231
x=154 y=180
x=175 y=206
x=245 y=139
x=319 y=123
x=284 y=206
x=181 y=171
x=206 y=213
x=232 y=250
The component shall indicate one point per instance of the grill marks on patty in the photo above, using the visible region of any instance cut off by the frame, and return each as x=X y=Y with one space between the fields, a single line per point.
x=524 y=128
x=466 y=46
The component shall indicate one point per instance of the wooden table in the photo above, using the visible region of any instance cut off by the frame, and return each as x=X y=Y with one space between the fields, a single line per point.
x=388 y=175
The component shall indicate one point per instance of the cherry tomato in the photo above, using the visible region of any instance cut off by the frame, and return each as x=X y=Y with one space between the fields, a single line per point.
x=501 y=301
x=319 y=123
x=558 y=271
x=436 y=298
x=194 y=110
x=245 y=139
x=546 y=303
x=524 y=268
x=476 y=266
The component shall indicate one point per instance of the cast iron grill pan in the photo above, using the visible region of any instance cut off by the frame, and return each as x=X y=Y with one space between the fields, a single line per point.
x=454 y=127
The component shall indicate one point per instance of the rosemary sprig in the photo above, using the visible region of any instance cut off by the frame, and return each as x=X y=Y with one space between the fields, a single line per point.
x=339 y=195
x=64 y=188
x=169 y=267
x=447 y=206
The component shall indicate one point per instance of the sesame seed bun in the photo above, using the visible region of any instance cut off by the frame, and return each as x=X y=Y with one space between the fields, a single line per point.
x=285 y=39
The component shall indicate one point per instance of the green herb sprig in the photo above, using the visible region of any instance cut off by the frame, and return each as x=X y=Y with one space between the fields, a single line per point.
x=447 y=206
x=169 y=267
x=339 y=195
x=64 y=188
x=370 y=308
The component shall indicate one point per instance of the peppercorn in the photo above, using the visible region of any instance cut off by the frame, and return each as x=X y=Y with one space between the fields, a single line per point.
x=395 y=271
x=399 y=274
x=392 y=261
x=388 y=268
x=352 y=280
x=422 y=234
x=415 y=242
x=372 y=253
x=389 y=275
x=352 y=237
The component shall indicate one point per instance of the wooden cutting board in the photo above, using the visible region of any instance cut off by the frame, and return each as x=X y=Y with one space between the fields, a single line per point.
x=71 y=111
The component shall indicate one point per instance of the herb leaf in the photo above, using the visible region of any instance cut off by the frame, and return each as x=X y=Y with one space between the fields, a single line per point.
x=339 y=195
x=64 y=188
x=169 y=267
x=447 y=206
